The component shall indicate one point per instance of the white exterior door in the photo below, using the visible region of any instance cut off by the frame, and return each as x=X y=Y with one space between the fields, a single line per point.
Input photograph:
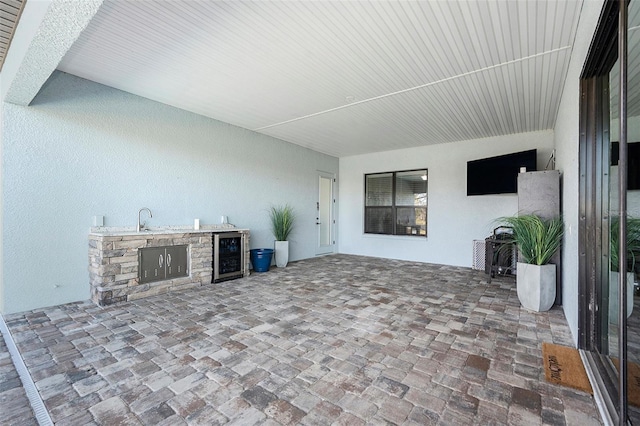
x=325 y=220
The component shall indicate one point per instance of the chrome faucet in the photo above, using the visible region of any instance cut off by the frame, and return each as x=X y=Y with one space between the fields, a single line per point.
x=141 y=226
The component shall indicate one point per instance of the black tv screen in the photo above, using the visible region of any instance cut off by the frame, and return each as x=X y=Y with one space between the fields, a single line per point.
x=498 y=175
x=633 y=162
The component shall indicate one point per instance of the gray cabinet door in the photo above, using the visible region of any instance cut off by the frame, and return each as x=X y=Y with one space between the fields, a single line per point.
x=151 y=262
x=176 y=261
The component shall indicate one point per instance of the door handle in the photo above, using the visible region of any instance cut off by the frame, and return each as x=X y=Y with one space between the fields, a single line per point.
x=160 y=261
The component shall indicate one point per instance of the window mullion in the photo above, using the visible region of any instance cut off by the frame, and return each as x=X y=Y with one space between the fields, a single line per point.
x=394 y=213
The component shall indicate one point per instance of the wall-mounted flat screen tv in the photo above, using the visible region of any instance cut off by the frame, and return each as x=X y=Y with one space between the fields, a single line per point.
x=498 y=175
x=633 y=162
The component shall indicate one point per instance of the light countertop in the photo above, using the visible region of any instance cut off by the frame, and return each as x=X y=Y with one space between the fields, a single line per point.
x=131 y=230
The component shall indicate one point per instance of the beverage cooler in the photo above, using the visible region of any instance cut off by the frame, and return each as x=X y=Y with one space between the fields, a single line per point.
x=228 y=256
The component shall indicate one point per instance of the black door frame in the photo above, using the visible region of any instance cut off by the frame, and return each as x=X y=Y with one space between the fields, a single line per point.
x=609 y=387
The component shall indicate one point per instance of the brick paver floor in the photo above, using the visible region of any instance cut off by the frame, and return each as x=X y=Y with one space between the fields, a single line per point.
x=14 y=404
x=345 y=340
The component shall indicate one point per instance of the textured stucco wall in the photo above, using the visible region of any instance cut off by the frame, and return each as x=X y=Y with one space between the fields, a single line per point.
x=57 y=29
x=454 y=219
x=84 y=149
x=567 y=138
x=28 y=26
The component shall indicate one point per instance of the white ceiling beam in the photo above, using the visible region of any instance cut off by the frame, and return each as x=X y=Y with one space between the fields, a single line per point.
x=46 y=31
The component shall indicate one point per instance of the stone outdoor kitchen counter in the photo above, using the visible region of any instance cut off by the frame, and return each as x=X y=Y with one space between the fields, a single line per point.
x=114 y=261
x=131 y=230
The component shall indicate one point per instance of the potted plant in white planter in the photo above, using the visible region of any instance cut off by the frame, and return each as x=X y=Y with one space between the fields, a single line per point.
x=537 y=241
x=633 y=248
x=282 y=219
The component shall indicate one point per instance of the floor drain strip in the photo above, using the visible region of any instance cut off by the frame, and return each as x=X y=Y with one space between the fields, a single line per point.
x=37 y=405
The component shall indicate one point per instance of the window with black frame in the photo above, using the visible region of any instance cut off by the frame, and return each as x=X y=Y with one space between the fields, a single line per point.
x=396 y=203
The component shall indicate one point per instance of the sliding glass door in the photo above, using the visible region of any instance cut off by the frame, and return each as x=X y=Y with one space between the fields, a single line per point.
x=610 y=211
x=632 y=234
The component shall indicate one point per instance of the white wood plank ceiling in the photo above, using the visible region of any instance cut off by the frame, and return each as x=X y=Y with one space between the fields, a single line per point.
x=10 y=11
x=340 y=77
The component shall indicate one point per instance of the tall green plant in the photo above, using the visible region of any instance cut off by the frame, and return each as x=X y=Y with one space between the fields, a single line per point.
x=633 y=242
x=537 y=239
x=282 y=219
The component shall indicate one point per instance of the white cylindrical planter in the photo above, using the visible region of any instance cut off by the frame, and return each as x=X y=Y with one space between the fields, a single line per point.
x=282 y=253
x=536 y=285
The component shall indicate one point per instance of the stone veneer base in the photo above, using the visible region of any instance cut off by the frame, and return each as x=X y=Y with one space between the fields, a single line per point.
x=113 y=263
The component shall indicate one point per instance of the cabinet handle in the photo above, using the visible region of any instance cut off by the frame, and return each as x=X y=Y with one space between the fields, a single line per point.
x=168 y=259
x=160 y=260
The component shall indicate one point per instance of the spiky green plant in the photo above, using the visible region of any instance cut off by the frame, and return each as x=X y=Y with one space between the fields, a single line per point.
x=633 y=242
x=537 y=239
x=282 y=219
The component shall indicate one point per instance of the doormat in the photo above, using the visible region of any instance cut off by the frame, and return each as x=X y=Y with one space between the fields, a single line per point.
x=563 y=366
x=633 y=381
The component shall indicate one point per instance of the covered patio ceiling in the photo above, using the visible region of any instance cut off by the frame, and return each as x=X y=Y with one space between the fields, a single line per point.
x=342 y=78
